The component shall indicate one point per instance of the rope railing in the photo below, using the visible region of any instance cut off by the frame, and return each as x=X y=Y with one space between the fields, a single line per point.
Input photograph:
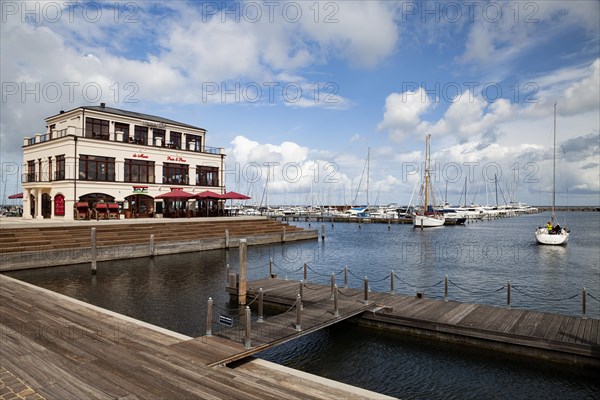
x=394 y=279
x=479 y=291
x=542 y=298
x=592 y=296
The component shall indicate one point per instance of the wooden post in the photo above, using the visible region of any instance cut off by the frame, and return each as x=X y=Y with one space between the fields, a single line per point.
x=242 y=272
x=446 y=289
x=305 y=272
x=366 y=290
x=346 y=277
x=508 y=295
x=298 y=313
x=226 y=238
x=322 y=231
x=301 y=292
x=331 y=287
x=261 y=293
x=227 y=268
x=94 y=252
x=583 y=296
x=283 y=235
x=248 y=328
x=151 y=245
x=209 y=310
x=392 y=282
x=270 y=268
x=336 y=312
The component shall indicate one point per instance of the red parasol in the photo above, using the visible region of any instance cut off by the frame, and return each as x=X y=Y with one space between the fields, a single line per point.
x=235 y=196
x=175 y=195
x=207 y=194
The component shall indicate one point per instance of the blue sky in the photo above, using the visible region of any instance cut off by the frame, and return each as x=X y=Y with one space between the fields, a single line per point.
x=308 y=87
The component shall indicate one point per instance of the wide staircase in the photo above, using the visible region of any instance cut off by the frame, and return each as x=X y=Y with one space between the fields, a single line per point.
x=43 y=238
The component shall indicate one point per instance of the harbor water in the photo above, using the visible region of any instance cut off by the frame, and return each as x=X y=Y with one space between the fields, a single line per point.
x=479 y=259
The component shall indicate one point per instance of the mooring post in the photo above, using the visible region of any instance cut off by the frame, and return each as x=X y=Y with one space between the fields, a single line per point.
x=301 y=292
x=298 y=313
x=227 y=268
x=151 y=248
x=336 y=312
x=322 y=231
x=346 y=277
x=446 y=289
x=305 y=272
x=94 y=252
x=209 y=310
x=226 y=238
x=261 y=293
x=366 y=290
x=422 y=222
x=583 y=296
x=270 y=268
x=283 y=234
x=248 y=328
x=242 y=284
x=332 y=285
x=508 y=295
x=392 y=282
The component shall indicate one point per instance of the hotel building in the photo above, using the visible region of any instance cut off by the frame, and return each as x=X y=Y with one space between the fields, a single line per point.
x=101 y=162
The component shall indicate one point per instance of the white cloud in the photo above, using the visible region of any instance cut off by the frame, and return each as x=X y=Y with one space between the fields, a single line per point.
x=403 y=111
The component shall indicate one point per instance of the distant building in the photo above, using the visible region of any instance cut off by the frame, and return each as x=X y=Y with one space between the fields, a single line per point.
x=101 y=155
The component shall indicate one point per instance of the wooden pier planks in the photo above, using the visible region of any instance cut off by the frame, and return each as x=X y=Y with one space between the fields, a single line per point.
x=572 y=336
x=65 y=349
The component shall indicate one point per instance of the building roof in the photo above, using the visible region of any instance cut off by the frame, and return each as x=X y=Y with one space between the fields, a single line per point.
x=133 y=114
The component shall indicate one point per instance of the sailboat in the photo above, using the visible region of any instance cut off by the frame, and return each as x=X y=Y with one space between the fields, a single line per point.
x=552 y=234
x=426 y=217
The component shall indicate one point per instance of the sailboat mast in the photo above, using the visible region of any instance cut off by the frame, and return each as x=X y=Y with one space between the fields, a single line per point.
x=554 y=167
x=426 y=174
x=368 y=166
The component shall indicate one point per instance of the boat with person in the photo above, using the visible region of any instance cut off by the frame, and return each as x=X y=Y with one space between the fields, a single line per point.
x=426 y=216
x=552 y=233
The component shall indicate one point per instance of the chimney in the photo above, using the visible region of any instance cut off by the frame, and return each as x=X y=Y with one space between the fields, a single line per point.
x=62 y=111
x=102 y=105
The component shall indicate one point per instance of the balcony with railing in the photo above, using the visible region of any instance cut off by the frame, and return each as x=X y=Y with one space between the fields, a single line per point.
x=194 y=146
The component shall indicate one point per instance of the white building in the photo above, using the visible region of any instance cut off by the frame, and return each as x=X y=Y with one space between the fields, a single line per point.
x=96 y=156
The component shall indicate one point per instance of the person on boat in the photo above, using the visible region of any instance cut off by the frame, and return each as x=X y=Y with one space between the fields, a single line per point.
x=557 y=229
x=549 y=227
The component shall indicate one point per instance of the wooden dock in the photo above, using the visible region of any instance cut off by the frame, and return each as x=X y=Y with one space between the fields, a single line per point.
x=56 y=347
x=531 y=333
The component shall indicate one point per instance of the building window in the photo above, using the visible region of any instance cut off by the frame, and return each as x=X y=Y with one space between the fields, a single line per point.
x=49 y=169
x=59 y=174
x=30 y=177
x=96 y=128
x=159 y=136
x=207 y=176
x=139 y=171
x=175 y=173
x=141 y=135
x=175 y=140
x=192 y=142
x=94 y=168
x=121 y=127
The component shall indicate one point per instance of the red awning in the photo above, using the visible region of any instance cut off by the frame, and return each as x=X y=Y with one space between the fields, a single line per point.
x=175 y=195
x=207 y=194
x=16 y=196
x=235 y=196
